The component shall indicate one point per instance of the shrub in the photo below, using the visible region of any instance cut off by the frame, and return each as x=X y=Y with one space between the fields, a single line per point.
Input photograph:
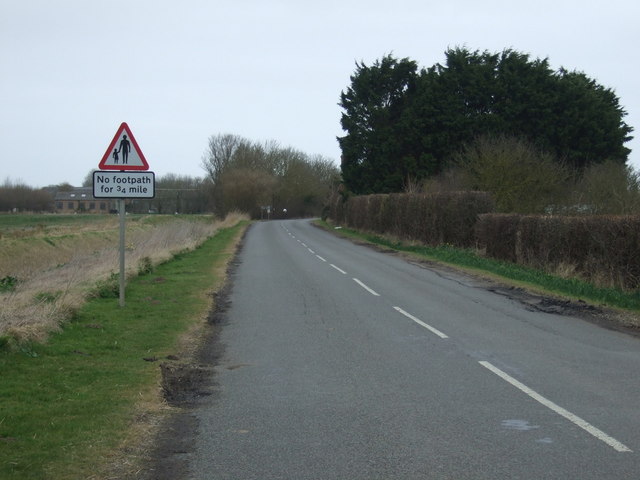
x=8 y=283
x=521 y=178
x=145 y=266
x=108 y=288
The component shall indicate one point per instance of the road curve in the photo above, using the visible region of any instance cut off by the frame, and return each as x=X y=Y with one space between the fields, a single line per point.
x=341 y=362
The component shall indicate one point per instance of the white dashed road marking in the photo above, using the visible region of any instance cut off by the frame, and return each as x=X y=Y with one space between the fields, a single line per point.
x=599 y=434
x=371 y=291
x=338 y=269
x=420 y=322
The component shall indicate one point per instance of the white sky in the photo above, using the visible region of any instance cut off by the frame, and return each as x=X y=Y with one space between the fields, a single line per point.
x=71 y=71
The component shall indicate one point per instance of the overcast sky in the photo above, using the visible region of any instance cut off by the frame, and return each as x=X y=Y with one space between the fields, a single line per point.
x=180 y=71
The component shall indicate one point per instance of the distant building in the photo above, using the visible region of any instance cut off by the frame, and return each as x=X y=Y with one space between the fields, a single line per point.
x=81 y=200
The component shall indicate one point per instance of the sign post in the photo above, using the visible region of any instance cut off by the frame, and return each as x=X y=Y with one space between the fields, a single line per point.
x=122 y=214
x=131 y=180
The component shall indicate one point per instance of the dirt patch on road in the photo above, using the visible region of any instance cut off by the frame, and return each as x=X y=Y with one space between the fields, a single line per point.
x=184 y=383
x=602 y=316
x=605 y=317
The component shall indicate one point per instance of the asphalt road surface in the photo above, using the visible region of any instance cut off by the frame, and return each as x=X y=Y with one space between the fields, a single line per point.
x=341 y=362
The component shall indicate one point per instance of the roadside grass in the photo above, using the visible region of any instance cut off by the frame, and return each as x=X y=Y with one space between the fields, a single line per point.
x=522 y=276
x=67 y=405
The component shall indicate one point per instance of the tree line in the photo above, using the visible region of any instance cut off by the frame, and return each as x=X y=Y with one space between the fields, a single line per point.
x=262 y=179
x=16 y=196
x=174 y=194
x=404 y=125
x=265 y=179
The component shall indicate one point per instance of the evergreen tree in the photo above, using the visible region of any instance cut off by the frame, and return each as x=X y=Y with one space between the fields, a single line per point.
x=372 y=149
x=403 y=125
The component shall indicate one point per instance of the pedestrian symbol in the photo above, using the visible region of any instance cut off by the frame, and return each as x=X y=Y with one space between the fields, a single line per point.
x=123 y=152
x=125 y=146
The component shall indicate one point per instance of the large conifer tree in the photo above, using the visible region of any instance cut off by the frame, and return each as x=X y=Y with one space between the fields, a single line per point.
x=403 y=125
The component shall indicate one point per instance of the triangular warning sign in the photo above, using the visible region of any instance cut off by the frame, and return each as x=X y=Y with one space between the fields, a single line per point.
x=123 y=152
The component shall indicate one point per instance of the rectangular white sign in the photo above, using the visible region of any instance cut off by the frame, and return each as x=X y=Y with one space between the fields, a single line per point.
x=129 y=184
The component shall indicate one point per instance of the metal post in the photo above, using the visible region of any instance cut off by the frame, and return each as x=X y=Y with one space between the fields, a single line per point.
x=121 y=212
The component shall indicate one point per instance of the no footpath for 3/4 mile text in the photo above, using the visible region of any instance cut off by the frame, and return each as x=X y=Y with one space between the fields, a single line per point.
x=123 y=184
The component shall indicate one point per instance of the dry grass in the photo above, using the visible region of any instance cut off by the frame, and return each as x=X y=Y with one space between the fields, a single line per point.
x=58 y=268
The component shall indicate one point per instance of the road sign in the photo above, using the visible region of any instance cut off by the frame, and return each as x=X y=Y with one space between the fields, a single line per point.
x=123 y=152
x=124 y=184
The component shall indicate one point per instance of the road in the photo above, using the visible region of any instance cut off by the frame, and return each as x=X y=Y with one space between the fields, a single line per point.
x=341 y=362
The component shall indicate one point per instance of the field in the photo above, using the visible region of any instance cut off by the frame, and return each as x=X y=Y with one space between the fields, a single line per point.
x=50 y=264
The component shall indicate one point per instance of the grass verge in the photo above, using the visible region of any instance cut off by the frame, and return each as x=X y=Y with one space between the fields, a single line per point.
x=521 y=276
x=66 y=405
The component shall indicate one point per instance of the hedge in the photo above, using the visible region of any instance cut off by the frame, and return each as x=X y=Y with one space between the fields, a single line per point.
x=602 y=249
x=432 y=219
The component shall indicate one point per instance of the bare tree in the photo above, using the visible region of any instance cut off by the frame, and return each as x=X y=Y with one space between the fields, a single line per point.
x=221 y=150
x=248 y=190
x=607 y=188
x=88 y=179
x=248 y=175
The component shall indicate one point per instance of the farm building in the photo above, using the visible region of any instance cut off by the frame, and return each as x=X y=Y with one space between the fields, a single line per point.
x=81 y=200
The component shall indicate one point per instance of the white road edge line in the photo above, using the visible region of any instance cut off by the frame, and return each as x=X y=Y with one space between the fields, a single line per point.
x=420 y=322
x=324 y=260
x=311 y=250
x=372 y=292
x=599 y=434
x=338 y=268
